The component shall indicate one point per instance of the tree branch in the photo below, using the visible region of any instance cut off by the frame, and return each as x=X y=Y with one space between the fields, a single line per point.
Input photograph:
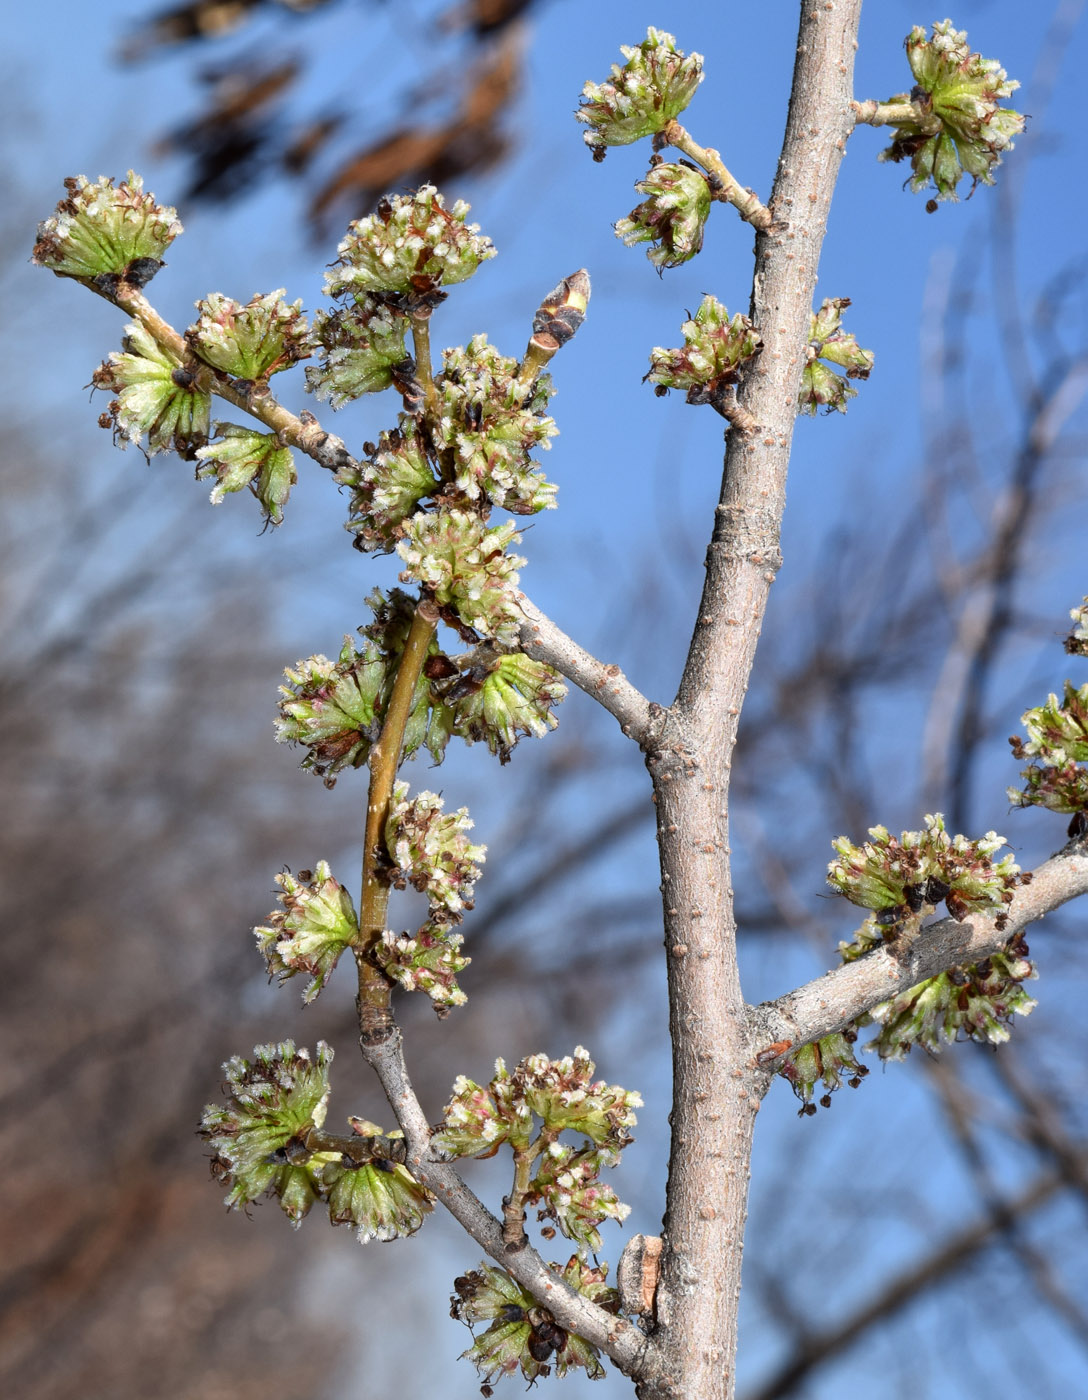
x=840 y=996
x=723 y=186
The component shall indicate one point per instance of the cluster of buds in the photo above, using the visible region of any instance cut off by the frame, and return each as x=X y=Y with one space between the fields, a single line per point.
x=387 y=487
x=314 y=926
x=1076 y=644
x=672 y=219
x=975 y=1003
x=500 y=696
x=463 y=564
x=906 y=878
x=522 y=1335
x=956 y=126
x=158 y=398
x=241 y=457
x=828 y=1062
x=112 y=235
x=640 y=99
x=828 y=344
x=707 y=364
x=1057 y=746
x=362 y=351
x=407 y=250
x=333 y=707
x=567 y=1189
x=262 y=1144
x=250 y=342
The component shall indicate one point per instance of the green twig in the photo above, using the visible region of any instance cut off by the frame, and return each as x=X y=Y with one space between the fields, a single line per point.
x=421 y=340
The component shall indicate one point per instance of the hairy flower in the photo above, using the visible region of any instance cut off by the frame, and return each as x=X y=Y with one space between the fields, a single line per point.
x=463 y=564
x=1077 y=641
x=503 y=697
x=111 y=234
x=966 y=1003
x=522 y=1334
x=901 y=878
x=714 y=348
x=426 y=961
x=673 y=217
x=381 y=1199
x=333 y=707
x=315 y=925
x=485 y=421
x=360 y=345
x=240 y=457
x=430 y=850
x=157 y=398
x=820 y=385
x=568 y=1189
x=655 y=85
x=828 y=1062
x=960 y=127
x=258 y=1136
x=388 y=486
x=412 y=245
x=250 y=341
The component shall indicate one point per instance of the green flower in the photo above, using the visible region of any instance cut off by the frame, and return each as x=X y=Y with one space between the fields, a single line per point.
x=960 y=127
x=523 y=1335
x=412 y=245
x=463 y=564
x=820 y=385
x=381 y=1199
x=431 y=851
x=673 y=218
x=1077 y=641
x=1058 y=745
x=714 y=348
x=652 y=88
x=388 y=486
x=490 y=431
x=258 y=1137
x=427 y=961
x=157 y=398
x=503 y=697
x=315 y=925
x=241 y=457
x=903 y=878
x=253 y=341
x=568 y=1189
x=107 y=233
x=362 y=344
x=333 y=707
x=828 y=1062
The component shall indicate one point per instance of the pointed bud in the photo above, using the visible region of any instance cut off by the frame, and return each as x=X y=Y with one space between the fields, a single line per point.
x=315 y=925
x=361 y=344
x=240 y=457
x=251 y=341
x=652 y=88
x=673 y=218
x=714 y=348
x=412 y=245
x=463 y=564
x=820 y=385
x=157 y=398
x=561 y=313
x=112 y=235
x=960 y=128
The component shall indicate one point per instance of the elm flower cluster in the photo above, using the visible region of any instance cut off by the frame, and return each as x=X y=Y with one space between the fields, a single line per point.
x=411 y=246
x=114 y=234
x=250 y=341
x=361 y=346
x=333 y=707
x=522 y=1335
x=714 y=348
x=1057 y=745
x=900 y=879
x=316 y=923
x=388 y=486
x=959 y=128
x=381 y=1198
x=1076 y=644
x=640 y=99
x=828 y=1061
x=673 y=217
x=568 y=1190
x=240 y=457
x=463 y=564
x=504 y=696
x=157 y=397
x=828 y=344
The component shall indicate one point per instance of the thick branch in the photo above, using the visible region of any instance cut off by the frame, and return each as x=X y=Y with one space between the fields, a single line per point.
x=544 y=641
x=840 y=996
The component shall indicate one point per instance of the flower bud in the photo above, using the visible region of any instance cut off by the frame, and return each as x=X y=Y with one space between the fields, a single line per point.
x=412 y=245
x=961 y=128
x=674 y=216
x=1058 y=745
x=564 y=1094
x=463 y=565
x=110 y=234
x=431 y=851
x=427 y=961
x=157 y=398
x=240 y=457
x=315 y=925
x=820 y=385
x=332 y=707
x=652 y=88
x=361 y=344
x=498 y=701
x=477 y=1121
x=273 y=1101
x=714 y=348
x=568 y=1189
x=253 y=341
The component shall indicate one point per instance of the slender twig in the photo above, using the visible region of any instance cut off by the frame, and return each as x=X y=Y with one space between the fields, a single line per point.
x=421 y=340
x=840 y=996
x=895 y=114
x=723 y=186
x=513 y=1206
